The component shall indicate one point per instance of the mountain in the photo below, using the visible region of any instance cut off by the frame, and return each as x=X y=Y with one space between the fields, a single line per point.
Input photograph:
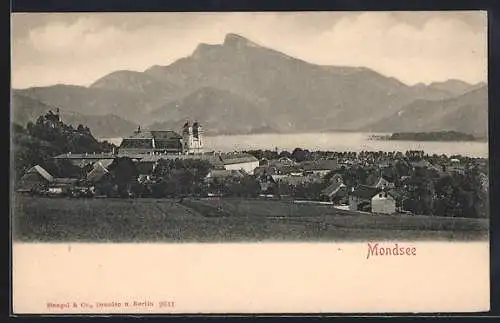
x=467 y=113
x=101 y=126
x=26 y=109
x=298 y=94
x=222 y=112
x=240 y=86
x=133 y=82
x=91 y=101
x=453 y=86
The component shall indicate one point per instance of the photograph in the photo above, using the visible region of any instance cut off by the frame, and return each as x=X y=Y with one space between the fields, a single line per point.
x=201 y=128
x=325 y=134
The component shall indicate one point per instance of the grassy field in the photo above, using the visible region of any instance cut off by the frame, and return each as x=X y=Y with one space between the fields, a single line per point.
x=227 y=220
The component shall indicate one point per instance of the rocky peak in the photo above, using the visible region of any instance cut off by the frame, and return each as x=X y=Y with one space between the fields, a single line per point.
x=237 y=41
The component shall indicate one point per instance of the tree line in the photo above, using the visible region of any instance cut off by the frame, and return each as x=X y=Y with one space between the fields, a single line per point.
x=47 y=137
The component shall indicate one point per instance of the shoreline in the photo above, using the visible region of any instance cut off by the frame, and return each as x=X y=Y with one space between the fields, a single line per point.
x=413 y=137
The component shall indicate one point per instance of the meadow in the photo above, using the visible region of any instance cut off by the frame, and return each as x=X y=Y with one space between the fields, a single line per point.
x=226 y=220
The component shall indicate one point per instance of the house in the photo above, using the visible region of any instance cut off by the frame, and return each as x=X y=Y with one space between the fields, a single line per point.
x=334 y=192
x=278 y=177
x=336 y=178
x=361 y=197
x=97 y=173
x=267 y=183
x=286 y=161
x=101 y=179
x=383 y=182
x=283 y=169
x=320 y=167
x=484 y=181
x=384 y=202
x=457 y=170
x=420 y=164
x=84 y=159
x=61 y=186
x=263 y=170
x=295 y=180
x=35 y=179
x=224 y=175
x=240 y=161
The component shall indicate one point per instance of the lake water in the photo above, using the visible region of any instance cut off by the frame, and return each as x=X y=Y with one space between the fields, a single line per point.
x=339 y=141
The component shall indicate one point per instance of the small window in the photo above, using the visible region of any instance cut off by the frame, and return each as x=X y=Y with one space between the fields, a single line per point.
x=380 y=195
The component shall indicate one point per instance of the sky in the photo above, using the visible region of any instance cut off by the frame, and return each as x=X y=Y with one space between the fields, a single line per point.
x=414 y=47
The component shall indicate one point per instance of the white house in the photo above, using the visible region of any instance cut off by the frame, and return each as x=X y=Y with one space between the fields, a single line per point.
x=238 y=161
x=384 y=203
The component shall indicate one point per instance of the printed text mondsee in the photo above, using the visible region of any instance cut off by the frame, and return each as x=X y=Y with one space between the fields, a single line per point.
x=394 y=250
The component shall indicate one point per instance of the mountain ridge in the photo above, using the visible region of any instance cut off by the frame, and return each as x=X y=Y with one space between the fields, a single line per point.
x=281 y=92
x=467 y=113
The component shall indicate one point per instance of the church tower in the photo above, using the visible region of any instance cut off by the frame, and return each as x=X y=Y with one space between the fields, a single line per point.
x=187 y=137
x=197 y=138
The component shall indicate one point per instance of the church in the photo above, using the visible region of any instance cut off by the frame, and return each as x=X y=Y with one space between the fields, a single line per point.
x=149 y=146
x=164 y=141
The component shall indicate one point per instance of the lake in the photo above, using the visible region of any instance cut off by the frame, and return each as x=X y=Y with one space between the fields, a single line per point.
x=336 y=141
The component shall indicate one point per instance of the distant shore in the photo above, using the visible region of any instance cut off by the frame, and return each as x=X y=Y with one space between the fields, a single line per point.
x=430 y=136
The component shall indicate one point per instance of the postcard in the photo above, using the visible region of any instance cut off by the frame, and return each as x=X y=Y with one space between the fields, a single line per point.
x=250 y=162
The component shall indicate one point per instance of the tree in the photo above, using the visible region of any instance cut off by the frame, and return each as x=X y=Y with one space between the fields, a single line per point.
x=285 y=154
x=163 y=168
x=300 y=155
x=65 y=168
x=124 y=173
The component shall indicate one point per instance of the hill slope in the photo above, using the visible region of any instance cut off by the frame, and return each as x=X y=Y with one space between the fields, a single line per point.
x=467 y=113
x=91 y=101
x=218 y=106
x=26 y=109
x=454 y=87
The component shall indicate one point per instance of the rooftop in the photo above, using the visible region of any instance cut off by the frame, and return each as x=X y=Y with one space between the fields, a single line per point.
x=223 y=173
x=165 y=134
x=322 y=164
x=236 y=158
x=86 y=156
x=333 y=188
x=364 y=191
x=40 y=170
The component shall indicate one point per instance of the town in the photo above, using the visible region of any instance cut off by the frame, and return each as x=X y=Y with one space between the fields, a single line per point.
x=166 y=164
